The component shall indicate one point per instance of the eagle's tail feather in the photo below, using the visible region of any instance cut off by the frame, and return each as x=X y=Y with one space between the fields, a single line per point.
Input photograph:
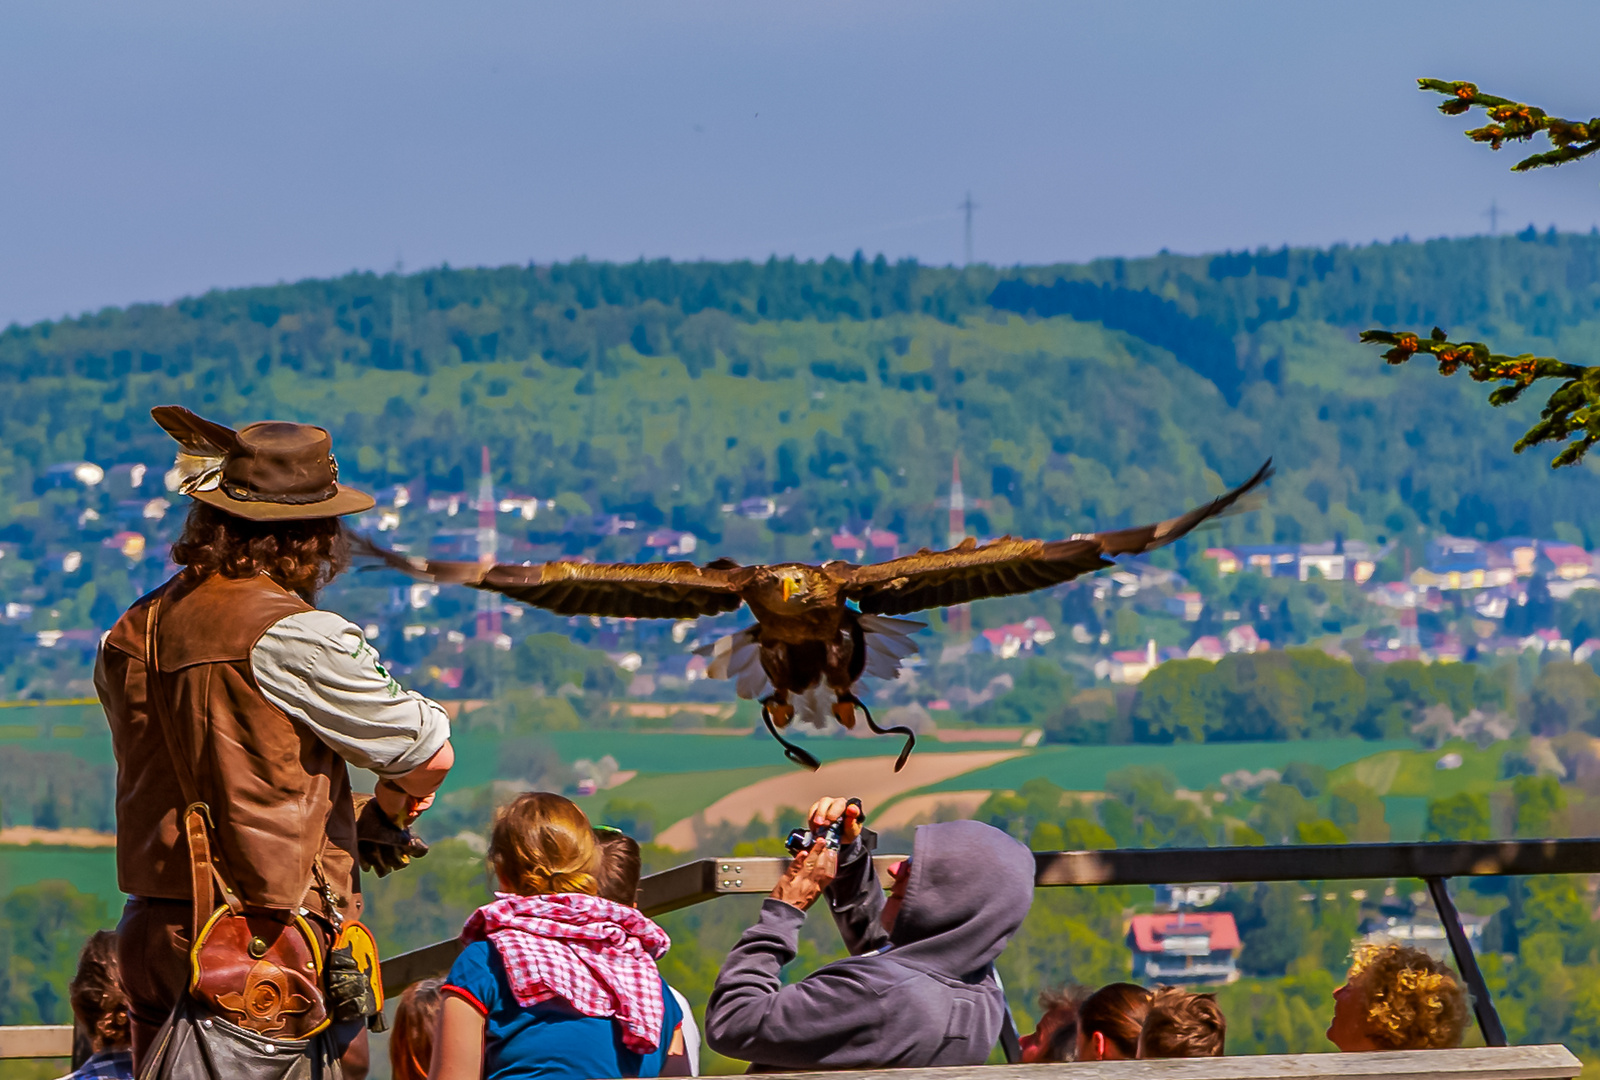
x=738 y=657
x=814 y=706
x=888 y=642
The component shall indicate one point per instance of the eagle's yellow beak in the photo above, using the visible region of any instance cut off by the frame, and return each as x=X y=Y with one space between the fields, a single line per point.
x=790 y=587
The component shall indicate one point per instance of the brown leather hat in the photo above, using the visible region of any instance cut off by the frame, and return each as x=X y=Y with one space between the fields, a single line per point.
x=269 y=471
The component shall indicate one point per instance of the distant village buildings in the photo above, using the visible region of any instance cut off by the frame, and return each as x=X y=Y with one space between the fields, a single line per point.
x=1492 y=582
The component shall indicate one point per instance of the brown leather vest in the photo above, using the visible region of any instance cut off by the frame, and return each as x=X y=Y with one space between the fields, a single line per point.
x=279 y=796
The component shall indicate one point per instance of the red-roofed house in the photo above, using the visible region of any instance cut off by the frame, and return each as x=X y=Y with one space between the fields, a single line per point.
x=1184 y=947
x=1128 y=665
x=882 y=540
x=671 y=541
x=848 y=542
x=1007 y=641
x=1567 y=561
x=1243 y=638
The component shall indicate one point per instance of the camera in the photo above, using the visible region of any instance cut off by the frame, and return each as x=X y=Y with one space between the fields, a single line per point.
x=801 y=840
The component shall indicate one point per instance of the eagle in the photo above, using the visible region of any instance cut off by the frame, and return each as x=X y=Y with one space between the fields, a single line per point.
x=818 y=629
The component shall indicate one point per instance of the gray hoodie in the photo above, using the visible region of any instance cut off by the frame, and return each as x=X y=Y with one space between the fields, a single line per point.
x=924 y=995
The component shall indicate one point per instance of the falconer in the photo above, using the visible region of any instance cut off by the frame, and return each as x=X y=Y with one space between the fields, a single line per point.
x=227 y=686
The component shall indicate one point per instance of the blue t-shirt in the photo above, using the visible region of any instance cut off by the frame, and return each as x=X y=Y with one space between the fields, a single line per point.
x=550 y=1040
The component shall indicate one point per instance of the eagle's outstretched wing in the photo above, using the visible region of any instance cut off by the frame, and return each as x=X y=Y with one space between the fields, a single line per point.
x=675 y=590
x=1007 y=566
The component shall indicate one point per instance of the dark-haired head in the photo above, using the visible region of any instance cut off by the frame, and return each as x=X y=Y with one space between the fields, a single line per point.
x=1055 y=1038
x=1183 y=1025
x=415 y=1018
x=1109 y=1022
x=618 y=875
x=301 y=556
x=99 y=1003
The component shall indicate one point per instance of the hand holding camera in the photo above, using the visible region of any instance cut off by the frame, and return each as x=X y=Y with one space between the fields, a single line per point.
x=833 y=823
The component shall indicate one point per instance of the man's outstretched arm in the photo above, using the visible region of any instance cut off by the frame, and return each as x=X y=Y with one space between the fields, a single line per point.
x=318 y=668
x=320 y=671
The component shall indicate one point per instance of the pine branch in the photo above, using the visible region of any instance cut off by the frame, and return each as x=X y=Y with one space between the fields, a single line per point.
x=1512 y=121
x=1571 y=415
x=1572 y=412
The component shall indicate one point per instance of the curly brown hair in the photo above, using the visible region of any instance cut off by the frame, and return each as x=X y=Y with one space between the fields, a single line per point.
x=302 y=556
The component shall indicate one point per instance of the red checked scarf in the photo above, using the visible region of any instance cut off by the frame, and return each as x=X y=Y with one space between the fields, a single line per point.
x=598 y=956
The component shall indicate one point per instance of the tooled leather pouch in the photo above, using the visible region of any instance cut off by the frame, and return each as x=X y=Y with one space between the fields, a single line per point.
x=260 y=971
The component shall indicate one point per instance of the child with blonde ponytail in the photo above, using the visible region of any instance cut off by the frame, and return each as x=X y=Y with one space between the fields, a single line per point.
x=555 y=982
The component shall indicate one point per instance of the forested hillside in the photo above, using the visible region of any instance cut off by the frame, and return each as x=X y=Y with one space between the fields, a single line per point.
x=1077 y=396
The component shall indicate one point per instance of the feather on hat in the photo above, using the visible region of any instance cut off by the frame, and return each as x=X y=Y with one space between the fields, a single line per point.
x=205 y=447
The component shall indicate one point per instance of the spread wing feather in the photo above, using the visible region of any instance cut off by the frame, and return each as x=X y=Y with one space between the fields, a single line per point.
x=675 y=590
x=1008 y=566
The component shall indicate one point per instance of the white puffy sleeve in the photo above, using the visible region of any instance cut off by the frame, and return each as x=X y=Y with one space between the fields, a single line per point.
x=318 y=668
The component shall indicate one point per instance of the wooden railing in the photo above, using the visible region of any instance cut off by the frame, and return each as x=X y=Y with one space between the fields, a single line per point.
x=706 y=879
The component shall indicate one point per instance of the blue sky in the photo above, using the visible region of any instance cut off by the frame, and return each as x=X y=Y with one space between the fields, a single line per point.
x=157 y=149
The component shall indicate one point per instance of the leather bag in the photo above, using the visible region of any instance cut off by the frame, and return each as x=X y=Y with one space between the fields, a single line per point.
x=194 y=1045
x=255 y=1008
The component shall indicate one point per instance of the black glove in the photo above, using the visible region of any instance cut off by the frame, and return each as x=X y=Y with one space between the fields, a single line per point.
x=348 y=989
x=382 y=845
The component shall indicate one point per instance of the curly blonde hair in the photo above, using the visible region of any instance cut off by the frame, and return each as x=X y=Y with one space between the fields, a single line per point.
x=1413 y=1002
x=542 y=843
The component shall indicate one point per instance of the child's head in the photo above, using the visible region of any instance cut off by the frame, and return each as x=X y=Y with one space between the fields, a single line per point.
x=98 y=1000
x=1182 y=1025
x=1109 y=1021
x=1397 y=998
x=415 y=1019
x=1056 y=1036
x=542 y=843
x=618 y=875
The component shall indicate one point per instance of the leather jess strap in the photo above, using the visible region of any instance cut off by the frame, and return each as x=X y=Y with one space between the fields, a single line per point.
x=203 y=873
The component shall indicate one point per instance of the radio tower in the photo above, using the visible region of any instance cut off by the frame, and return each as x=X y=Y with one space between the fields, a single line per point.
x=488 y=544
x=959 y=617
x=968 y=206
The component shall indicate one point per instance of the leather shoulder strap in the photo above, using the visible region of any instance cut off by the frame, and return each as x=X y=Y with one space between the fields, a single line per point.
x=203 y=872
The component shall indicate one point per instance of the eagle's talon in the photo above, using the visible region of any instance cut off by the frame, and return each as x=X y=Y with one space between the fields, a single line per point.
x=782 y=715
x=845 y=713
x=801 y=757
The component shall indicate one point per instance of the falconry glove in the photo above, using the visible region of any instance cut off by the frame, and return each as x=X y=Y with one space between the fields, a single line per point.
x=382 y=845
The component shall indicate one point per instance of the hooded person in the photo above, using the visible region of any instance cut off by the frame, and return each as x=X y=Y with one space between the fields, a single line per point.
x=919 y=988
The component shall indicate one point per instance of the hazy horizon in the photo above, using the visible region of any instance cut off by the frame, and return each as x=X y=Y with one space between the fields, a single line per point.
x=163 y=152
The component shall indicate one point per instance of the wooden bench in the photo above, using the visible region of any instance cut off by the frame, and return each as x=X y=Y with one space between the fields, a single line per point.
x=1484 y=1063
